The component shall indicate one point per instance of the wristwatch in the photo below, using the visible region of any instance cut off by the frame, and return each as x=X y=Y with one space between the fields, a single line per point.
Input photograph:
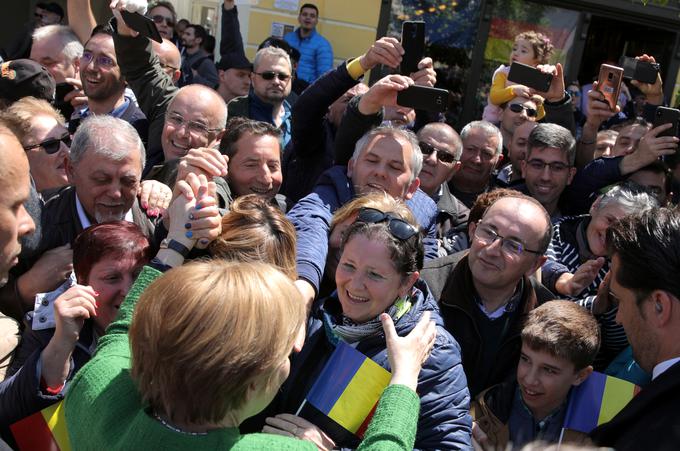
x=176 y=246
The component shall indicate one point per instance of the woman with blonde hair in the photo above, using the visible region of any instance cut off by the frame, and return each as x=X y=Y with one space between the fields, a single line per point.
x=44 y=136
x=188 y=359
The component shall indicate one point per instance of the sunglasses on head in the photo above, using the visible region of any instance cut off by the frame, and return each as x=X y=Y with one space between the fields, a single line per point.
x=399 y=228
x=442 y=155
x=518 y=108
x=160 y=19
x=52 y=145
x=270 y=75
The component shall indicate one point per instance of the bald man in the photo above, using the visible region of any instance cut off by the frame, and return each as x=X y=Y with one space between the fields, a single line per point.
x=169 y=57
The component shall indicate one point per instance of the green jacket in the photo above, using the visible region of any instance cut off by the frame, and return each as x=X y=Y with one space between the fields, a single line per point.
x=105 y=411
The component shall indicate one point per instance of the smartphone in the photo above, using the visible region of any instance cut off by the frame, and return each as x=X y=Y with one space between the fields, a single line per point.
x=142 y=24
x=530 y=76
x=424 y=98
x=413 y=42
x=65 y=108
x=665 y=115
x=609 y=84
x=634 y=69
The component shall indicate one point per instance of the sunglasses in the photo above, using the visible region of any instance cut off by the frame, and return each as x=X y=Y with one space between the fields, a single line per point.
x=399 y=228
x=517 y=108
x=270 y=75
x=160 y=19
x=442 y=155
x=52 y=145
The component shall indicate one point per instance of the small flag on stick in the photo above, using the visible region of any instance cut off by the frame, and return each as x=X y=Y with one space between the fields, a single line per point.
x=44 y=430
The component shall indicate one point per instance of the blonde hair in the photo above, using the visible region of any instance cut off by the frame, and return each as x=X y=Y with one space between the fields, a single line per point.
x=254 y=230
x=380 y=201
x=198 y=339
x=26 y=109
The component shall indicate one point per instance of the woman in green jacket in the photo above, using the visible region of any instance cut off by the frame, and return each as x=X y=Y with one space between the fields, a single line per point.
x=207 y=347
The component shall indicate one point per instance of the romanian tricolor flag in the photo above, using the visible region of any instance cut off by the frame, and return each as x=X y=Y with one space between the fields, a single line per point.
x=346 y=392
x=596 y=401
x=45 y=430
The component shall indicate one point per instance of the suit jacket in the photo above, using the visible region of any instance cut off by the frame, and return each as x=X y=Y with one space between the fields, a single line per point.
x=651 y=420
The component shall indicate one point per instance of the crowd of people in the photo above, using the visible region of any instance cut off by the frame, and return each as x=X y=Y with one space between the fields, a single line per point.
x=186 y=244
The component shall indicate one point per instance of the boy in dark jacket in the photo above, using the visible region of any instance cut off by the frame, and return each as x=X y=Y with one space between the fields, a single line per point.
x=559 y=342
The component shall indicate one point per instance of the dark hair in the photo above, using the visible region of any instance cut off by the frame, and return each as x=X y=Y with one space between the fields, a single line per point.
x=169 y=6
x=183 y=21
x=309 y=5
x=208 y=44
x=647 y=245
x=239 y=126
x=552 y=135
x=106 y=29
x=273 y=41
x=659 y=167
x=199 y=32
x=117 y=239
x=406 y=255
x=564 y=329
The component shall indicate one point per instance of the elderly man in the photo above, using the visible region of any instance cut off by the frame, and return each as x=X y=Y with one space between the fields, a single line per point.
x=271 y=84
x=482 y=147
x=58 y=49
x=104 y=169
x=385 y=159
x=484 y=295
x=644 y=282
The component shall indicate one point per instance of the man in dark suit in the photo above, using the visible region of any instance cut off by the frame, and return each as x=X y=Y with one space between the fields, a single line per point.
x=644 y=280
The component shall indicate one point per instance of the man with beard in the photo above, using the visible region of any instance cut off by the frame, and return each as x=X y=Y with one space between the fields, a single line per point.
x=197 y=66
x=271 y=84
x=104 y=169
x=104 y=86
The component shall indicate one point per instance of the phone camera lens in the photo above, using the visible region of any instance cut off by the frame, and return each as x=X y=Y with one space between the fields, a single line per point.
x=610 y=76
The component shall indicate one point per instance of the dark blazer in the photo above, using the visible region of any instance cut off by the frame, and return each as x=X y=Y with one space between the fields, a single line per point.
x=650 y=421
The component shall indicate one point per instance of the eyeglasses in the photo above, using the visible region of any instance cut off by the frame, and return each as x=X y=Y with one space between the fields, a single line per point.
x=195 y=128
x=158 y=19
x=510 y=247
x=167 y=66
x=270 y=75
x=52 y=145
x=518 y=108
x=555 y=167
x=100 y=60
x=574 y=93
x=399 y=228
x=442 y=155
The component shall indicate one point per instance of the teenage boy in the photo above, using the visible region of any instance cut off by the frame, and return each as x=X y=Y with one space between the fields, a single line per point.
x=559 y=342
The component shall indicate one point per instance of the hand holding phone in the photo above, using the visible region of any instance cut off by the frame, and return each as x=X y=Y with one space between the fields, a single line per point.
x=671 y=116
x=530 y=76
x=609 y=84
x=142 y=25
x=413 y=43
x=642 y=71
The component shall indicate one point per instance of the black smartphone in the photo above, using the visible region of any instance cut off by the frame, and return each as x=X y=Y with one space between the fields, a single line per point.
x=530 y=76
x=634 y=69
x=413 y=42
x=665 y=115
x=65 y=108
x=142 y=24
x=424 y=98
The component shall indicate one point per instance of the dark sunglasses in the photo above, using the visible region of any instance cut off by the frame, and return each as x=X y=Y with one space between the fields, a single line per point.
x=270 y=75
x=442 y=155
x=399 y=228
x=52 y=145
x=517 y=108
x=160 y=19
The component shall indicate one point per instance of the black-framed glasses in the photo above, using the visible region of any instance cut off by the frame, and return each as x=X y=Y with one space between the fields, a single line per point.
x=270 y=75
x=399 y=228
x=518 y=108
x=555 y=167
x=511 y=247
x=194 y=128
x=100 y=60
x=157 y=18
x=442 y=155
x=52 y=145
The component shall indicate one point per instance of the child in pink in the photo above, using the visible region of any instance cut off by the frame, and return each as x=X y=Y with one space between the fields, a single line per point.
x=530 y=48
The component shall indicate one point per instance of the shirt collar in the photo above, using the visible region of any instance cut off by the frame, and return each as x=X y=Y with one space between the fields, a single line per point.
x=663 y=366
x=85 y=221
x=509 y=306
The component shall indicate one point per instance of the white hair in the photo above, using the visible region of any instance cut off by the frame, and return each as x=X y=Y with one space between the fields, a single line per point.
x=107 y=136
x=407 y=135
x=489 y=130
x=68 y=41
x=271 y=51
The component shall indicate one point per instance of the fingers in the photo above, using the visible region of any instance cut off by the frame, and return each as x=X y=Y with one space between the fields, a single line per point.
x=211 y=161
x=272 y=430
x=388 y=327
x=280 y=426
x=386 y=51
x=184 y=189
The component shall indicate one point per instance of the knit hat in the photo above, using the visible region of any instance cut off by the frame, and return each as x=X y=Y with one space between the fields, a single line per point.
x=22 y=78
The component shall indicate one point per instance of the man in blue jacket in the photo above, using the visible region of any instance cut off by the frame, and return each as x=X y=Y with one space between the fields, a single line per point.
x=316 y=53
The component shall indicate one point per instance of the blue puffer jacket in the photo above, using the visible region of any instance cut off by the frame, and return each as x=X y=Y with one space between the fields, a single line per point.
x=444 y=422
x=312 y=216
x=316 y=54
